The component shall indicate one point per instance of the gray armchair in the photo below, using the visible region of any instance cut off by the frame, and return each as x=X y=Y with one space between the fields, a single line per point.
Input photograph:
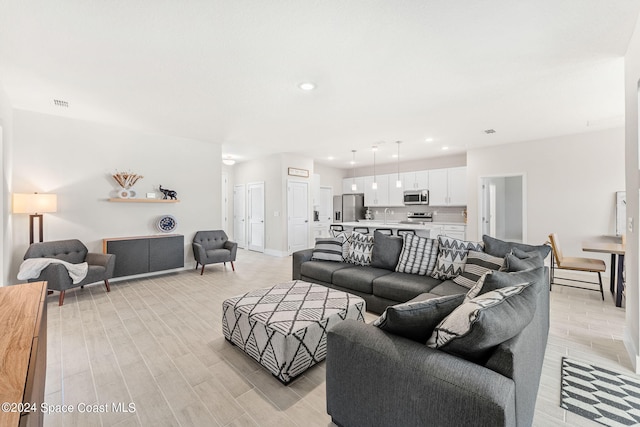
x=210 y=247
x=101 y=266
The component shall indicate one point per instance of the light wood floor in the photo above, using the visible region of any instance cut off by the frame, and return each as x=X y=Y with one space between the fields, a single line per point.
x=157 y=342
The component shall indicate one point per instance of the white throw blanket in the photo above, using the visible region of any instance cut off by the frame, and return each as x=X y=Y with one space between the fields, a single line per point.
x=32 y=267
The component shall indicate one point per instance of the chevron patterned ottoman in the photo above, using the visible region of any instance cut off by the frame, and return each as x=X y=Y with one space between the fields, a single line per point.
x=284 y=327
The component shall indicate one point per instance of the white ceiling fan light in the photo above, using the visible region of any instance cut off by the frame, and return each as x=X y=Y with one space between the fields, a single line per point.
x=229 y=161
x=307 y=86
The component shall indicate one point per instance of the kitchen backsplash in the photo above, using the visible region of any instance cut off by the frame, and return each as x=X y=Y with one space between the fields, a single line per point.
x=440 y=214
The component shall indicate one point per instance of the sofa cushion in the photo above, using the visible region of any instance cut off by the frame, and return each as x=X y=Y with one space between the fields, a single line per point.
x=386 y=251
x=519 y=260
x=477 y=264
x=452 y=256
x=358 y=278
x=360 y=249
x=448 y=287
x=328 y=249
x=402 y=286
x=322 y=270
x=418 y=255
x=474 y=328
x=417 y=319
x=501 y=248
x=346 y=242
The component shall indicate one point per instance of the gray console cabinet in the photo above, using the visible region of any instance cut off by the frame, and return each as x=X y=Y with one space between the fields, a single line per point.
x=139 y=255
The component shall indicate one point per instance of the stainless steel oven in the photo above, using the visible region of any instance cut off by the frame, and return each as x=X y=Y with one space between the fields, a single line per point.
x=416 y=197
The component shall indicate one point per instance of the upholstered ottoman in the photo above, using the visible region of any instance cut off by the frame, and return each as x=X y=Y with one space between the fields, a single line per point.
x=284 y=327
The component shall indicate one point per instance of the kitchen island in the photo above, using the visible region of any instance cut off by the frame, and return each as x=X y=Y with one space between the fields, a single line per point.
x=431 y=229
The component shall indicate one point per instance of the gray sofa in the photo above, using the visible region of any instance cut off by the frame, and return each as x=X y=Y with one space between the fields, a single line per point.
x=378 y=378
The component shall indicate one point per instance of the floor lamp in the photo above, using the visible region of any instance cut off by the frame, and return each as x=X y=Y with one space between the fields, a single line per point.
x=35 y=205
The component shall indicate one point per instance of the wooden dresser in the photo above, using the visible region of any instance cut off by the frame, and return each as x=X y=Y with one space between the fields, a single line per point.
x=23 y=352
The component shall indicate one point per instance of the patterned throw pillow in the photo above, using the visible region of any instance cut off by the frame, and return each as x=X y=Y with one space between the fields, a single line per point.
x=418 y=255
x=328 y=249
x=417 y=319
x=474 y=328
x=360 y=249
x=477 y=264
x=346 y=235
x=452 y=256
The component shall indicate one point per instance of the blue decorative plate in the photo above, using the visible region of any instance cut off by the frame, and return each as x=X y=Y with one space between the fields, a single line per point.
x=166 y=223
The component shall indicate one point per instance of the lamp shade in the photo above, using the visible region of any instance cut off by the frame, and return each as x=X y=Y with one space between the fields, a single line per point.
x=34 y=203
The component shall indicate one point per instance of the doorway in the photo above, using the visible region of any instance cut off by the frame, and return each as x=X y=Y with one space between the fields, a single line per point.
x=239 y=215
x=503 y=206
x=225 y=202
x=298 y=215
x=255 y=192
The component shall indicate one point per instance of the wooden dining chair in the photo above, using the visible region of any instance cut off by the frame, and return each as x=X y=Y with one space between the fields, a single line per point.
x=560 y=262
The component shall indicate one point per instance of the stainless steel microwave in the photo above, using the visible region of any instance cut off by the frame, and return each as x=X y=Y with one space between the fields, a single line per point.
x=416 y=197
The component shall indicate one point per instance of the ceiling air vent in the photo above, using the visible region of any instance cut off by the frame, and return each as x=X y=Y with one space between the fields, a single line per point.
x=60 y=103
x=489 y=131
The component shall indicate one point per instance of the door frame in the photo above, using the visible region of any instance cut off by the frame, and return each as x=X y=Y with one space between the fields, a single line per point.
x=242 y=191
x=480 y=207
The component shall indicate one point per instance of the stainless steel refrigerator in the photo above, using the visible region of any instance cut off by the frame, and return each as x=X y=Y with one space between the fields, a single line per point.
x=348 y=207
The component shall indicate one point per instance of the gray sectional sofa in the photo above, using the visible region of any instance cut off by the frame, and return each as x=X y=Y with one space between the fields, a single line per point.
x=378 y=378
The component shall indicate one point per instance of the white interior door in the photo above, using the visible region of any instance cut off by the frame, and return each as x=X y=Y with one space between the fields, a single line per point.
x=239 y=215
x=256 y=216
x=298 y=215
x=503 y=207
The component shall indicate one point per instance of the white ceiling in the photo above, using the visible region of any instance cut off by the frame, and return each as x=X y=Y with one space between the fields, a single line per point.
x=385 y=70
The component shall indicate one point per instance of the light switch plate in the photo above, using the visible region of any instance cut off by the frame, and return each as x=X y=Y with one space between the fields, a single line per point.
x=151 y=195
x=630 y=224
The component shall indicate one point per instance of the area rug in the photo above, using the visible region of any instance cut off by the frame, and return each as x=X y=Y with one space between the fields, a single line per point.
x=604 y=396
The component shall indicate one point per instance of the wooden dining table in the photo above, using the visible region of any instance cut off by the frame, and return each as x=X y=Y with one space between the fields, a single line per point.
x=617 y=251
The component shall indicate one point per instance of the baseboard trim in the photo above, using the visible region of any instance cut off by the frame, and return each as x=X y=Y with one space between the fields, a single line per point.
x=632 y=350
x=150 y=274
x=273 y=252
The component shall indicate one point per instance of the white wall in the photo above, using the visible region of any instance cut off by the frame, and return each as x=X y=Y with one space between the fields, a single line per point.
x=75 y=159
x=330 y=176
x=632 y=80
x=571 y=183
x=6 y=142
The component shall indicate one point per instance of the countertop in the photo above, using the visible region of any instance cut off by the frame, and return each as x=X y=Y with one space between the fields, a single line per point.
x=396 y=224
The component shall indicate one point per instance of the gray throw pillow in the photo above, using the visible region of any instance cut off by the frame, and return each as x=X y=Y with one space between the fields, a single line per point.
x=502 y=279
x=386 y=251
x=416 y=319
x=476 y=327
x=519 y=260
x=501 y=248
x=328 y=249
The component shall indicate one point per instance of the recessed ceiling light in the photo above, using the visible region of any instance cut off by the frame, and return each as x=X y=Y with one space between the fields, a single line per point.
x=428 y=140
x=228 y=161
x=445 y=148
x=307 y=86
x=394 y=156
x=352 y=162
x=330 y=157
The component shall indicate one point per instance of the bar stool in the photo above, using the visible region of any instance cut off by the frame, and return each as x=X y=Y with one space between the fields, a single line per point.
x=336 y=227
x=403 y=232
x=363 y=230
x=385 y=231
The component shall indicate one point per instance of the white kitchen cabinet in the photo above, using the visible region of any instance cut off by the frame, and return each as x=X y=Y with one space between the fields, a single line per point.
x=347 y=182
x=396 y=195
x=438 y=191
x=457 y=184
x=455 y=231
x=415 y=180
x=379 y=196
x=448 y=187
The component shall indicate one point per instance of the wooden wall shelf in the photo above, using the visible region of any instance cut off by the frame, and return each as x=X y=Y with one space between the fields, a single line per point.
x=118 y=200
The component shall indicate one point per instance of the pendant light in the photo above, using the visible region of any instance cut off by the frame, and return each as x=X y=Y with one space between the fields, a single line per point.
x=374 y=186
x=398 y=181
x=354 y=187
